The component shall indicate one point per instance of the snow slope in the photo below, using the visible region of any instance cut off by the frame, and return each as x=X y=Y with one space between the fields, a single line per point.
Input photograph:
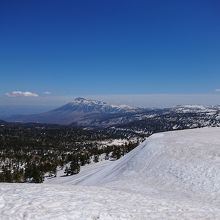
x=188 y=159
x=172 y=175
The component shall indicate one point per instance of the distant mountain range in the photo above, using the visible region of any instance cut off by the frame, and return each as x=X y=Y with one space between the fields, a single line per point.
x=92 y=113
x=86 y=106
x=79 y=112
x=2 y=122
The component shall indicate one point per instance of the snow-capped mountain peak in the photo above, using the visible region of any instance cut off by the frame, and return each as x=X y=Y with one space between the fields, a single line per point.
x=80 y=100
x=94 y=106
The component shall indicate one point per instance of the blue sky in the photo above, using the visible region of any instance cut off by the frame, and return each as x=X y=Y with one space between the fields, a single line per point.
x=91 y=48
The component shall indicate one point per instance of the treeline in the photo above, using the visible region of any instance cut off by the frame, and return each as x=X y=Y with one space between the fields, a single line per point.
x=33 y=167
x=29 y=152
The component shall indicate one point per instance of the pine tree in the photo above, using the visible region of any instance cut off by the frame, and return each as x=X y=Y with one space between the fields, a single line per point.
x=74 y=167
x=96 y=158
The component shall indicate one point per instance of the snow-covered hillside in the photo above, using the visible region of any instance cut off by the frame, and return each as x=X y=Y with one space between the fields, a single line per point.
x=172 y=175
x=196 y=109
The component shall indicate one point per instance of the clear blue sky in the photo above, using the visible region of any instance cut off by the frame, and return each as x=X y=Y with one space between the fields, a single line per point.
x=98 y=47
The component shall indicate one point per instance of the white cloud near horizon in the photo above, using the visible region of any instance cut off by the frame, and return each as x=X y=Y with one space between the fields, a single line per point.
x=21 y=94
x=217 y=90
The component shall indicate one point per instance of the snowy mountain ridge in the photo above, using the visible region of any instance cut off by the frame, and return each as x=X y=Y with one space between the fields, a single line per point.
x=196 y=108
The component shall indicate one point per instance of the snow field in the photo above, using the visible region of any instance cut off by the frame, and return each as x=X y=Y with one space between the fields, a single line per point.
x=172 y=175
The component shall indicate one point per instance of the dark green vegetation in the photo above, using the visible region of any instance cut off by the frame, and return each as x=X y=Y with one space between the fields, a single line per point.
x=29 y=151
